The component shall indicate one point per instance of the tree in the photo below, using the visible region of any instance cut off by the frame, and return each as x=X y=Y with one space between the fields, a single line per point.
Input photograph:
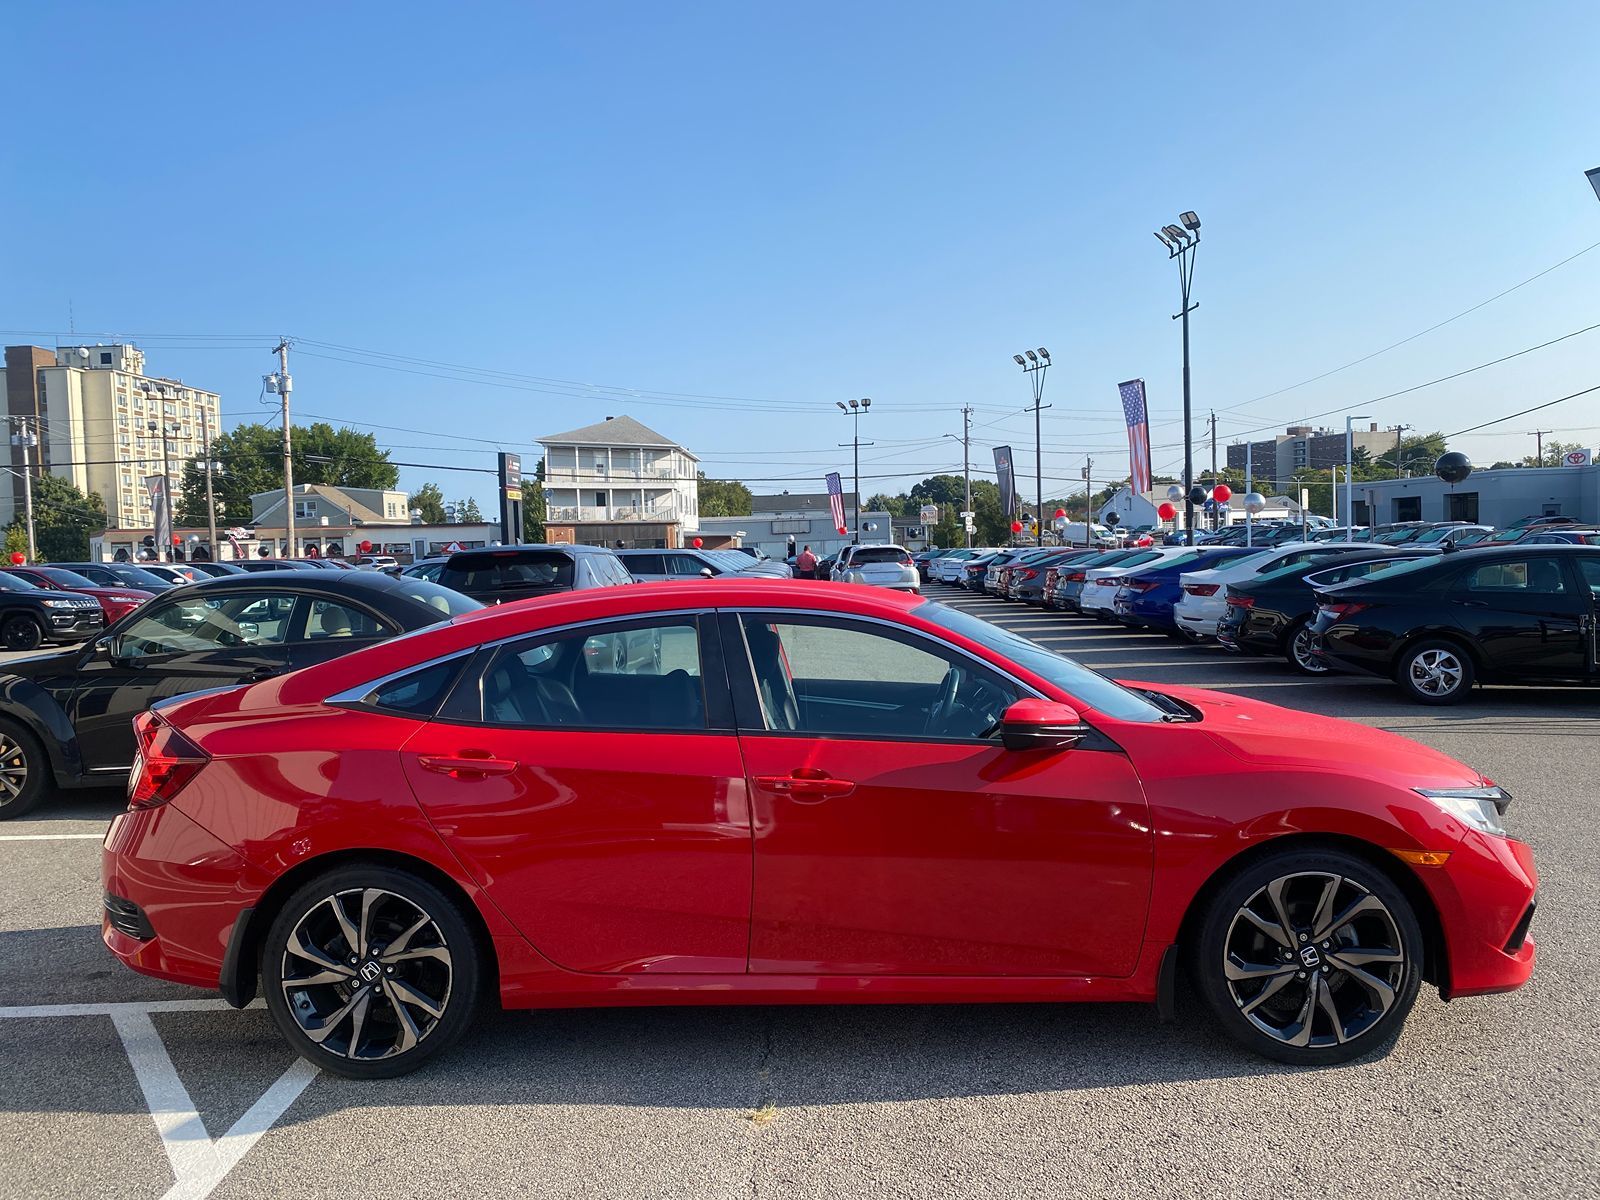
x=1553 y=453
x=468 y=512
x=1417 y=456
x=947 y=491
x=895 y=506
x=250 y=458
x=429 y=500
x=64 y=520
x=533 y=509
x=16 y=540
x=723 y=497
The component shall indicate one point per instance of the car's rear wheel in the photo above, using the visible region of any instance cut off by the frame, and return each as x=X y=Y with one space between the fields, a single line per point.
x=369 y=971
x=21 y=632
x=1297 y=649
x=24 y=773
x=1436 y=673
x=1309 y=957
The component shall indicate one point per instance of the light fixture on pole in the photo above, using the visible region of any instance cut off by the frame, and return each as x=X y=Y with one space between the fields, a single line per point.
x=1594 y=180
x=854 y=410
x=1034 y=364
x=1349 y=476
x=1180 y=241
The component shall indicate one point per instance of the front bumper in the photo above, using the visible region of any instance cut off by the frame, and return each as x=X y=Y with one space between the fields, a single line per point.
x=75 y=624
x=1484 y=894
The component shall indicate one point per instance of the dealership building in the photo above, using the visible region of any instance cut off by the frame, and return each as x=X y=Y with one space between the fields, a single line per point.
x=1496 y=498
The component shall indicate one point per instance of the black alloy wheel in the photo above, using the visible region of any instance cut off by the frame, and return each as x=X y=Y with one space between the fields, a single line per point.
x=22 y=632
x=24 y=773
x=369 y=971
x=1309 y=957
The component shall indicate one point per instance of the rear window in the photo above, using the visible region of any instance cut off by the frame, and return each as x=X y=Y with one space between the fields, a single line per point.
x=1408 y=567
x=877 y=554
x=443 y=600
x=508 y=568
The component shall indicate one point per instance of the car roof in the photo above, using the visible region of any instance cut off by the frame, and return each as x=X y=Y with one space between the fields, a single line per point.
x=559 y=548
x=352 y=581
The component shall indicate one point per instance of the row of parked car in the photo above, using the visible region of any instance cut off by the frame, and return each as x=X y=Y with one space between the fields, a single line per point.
x=1523 y=608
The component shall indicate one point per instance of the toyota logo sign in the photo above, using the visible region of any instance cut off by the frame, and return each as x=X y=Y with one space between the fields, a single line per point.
x=1577 y=458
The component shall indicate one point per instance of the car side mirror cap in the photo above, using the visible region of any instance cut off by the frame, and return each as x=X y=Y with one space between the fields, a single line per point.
x=706 y=572
x=1041 y=725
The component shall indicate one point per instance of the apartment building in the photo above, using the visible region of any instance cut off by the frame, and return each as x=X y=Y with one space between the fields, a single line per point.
x=619 y=481
x=103 y=423
x=1274 y=461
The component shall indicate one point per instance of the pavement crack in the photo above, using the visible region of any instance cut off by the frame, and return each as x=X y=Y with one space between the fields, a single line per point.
x=764 y=1110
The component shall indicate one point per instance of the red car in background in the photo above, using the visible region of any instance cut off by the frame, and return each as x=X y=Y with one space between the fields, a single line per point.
x=764 y=792
x=115 y=602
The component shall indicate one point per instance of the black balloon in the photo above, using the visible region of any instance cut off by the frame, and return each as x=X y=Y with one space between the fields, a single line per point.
x=1198 y=494
x=1453 y=467
x=1112 y=518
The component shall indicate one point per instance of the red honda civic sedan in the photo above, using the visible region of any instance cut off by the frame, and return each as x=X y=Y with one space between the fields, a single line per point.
x=758 y=792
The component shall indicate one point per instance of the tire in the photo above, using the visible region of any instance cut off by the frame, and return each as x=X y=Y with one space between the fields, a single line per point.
x=21 y=632
x=24 y=772
x=1436 y=672
x=1310 y=960
x=441 y=967
x=1297 y=650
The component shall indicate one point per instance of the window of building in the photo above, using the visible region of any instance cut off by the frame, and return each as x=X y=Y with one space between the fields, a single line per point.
x=1462 y=506
x=304 y=509
x=1408 y=508
x=105 y=358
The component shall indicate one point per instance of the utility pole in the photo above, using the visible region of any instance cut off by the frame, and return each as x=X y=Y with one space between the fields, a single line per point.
x=1213 y=464
x=966 y=471
x=1397 y=431
x=1088 y=502
x=284 y=384
x=1538 y=442
x=1035 y=364
x=24 y=437
x=1181 y=242
x=211 y=500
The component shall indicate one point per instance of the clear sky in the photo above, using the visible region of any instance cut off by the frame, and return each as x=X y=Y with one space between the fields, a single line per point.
x=606 y=208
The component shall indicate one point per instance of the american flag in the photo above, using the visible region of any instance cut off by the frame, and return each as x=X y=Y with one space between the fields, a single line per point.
x=836 y=500
x=1133 y=408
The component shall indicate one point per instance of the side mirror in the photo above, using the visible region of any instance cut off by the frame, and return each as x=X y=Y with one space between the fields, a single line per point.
x=101 y=648
x=706 y=572
x=1040 y=725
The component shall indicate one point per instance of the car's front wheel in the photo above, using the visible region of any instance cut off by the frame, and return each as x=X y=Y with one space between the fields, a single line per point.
x=369 y=971
x=21 y=632
x=24 y=773
x=1436 y=673
x=1309 y=957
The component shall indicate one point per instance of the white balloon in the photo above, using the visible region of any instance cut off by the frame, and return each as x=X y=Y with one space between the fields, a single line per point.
x=1254 y=502
x=1175 y=493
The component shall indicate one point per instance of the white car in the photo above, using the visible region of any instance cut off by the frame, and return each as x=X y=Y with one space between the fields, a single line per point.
x=1101 y=584
x=386 y=563
x=948 y=568
x=1204 y=599
x=878 y=566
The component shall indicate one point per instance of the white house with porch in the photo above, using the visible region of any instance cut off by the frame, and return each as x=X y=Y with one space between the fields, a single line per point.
x=619 y=481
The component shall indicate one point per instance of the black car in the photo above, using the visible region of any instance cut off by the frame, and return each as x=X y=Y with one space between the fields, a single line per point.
x=1512 y=614
x=217 y=569
x=31 y=616
x=501 y=574
x=119 y=575
x=67 y=718
x=1272 y=613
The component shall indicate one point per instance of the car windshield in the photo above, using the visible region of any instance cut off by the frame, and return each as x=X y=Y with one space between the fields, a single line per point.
x=65 y=578
x=447 y=601
x=1090 y=687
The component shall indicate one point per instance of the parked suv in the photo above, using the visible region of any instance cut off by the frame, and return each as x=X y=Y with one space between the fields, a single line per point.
x=31 y=616
x=879 y=566
x=501 y=574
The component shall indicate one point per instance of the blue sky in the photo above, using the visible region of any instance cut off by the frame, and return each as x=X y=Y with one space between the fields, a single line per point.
x=785 y=206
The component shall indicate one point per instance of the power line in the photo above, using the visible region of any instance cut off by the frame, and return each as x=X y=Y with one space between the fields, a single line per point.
x=1524 y=412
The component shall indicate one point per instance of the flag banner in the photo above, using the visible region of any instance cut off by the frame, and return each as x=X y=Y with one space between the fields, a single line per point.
x=1008 y=483
x=156 y=485
x=1133 y=407
x=836 y=501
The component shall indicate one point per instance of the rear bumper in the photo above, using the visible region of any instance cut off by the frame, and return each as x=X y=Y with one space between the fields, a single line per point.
x=186 y=885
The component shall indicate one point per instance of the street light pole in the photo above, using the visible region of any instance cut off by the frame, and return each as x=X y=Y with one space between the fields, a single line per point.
x=1180 y=241
x=854 y=409
x=24 y=438
x=1034 y=364
x=211 y=499
x=1350 y=476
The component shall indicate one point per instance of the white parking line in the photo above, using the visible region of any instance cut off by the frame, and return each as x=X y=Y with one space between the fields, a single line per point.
x=51 y=837
x=199 y=1162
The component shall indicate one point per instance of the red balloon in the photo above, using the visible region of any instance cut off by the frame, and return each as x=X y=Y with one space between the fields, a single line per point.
x=843 y=531
x=1016 y=527
x=18 y=558
x=697 y=543
x=1060 y=512
x=366 y=547
x=1222 y=493
x=1166 y=512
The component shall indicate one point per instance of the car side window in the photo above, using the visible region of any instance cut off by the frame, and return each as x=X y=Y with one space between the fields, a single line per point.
x=646 y=564
x=1589 y=572
x=331 y=619
x=842 y=680
x=685 y=566
x=641 y=676
x=197 y=624
x=1516 y=577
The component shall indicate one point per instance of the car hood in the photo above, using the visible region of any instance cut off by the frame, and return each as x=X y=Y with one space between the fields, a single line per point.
x=1265 y=734
x=52 y=662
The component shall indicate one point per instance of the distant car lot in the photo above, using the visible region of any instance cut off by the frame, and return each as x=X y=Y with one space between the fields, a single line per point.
x=1479 y=1097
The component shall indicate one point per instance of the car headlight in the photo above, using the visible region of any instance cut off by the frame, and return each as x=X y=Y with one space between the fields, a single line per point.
x=1479 y=807
x=61 y=604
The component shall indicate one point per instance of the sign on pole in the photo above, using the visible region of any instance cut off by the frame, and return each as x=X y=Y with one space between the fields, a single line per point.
x=928 y=514
x=1577 y=458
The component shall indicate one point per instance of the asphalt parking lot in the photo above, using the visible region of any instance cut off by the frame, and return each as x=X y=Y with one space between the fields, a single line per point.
x=1484 y=1097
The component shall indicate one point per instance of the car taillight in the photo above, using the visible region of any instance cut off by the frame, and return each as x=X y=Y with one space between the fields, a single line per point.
x=906 y=561
x=1026 y=573
x=1201 y=589
x=1340 y=611
x=1142 y=585
x=163 y=764
x=1242 y=601
x=1072 y=577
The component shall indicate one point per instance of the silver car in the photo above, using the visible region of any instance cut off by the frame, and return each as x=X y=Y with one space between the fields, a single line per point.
x=655 y=566
x=878 y=566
